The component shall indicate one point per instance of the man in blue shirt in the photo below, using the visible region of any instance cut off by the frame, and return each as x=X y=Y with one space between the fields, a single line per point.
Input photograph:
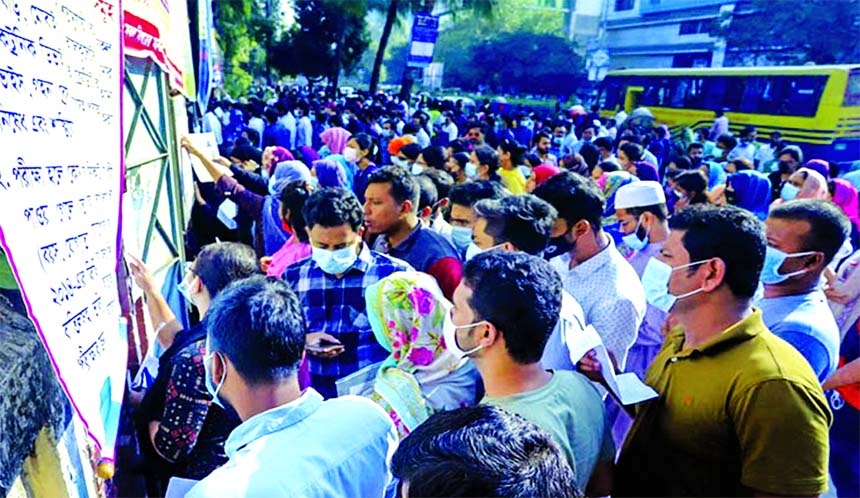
x=330 y=285
x=290 y=443
x=391 y=211
x=802 y=238
x=276 y=134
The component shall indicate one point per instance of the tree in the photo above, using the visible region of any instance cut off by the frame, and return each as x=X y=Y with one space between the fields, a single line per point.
x=244 y=29
x=329 y=36
x=792 y=32
x=510 y=62
x=401 y=8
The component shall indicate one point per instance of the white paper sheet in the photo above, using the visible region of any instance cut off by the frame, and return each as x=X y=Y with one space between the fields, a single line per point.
x=208 y=146
x=178 y=487
x=227 y=212
x=579 y=342
x=627 y=387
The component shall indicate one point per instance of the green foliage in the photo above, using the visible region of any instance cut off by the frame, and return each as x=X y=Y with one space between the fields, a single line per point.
x=244 y=31
x=794 y=32
x=509 y=62
x=329 y=35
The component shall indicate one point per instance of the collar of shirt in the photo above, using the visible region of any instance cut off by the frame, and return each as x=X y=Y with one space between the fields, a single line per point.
x=741 y=331
x=593 y=263
x=271 y=421
x=404 y=244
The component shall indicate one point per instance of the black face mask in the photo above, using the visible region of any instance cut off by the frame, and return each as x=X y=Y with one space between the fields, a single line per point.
x=731 y=197
x=558 y=246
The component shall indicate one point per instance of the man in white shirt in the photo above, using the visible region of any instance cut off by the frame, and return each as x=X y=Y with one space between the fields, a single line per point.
x=212 y=124
x=592 y=269
x=290 y=443
x=304 y=129
x=289 y=122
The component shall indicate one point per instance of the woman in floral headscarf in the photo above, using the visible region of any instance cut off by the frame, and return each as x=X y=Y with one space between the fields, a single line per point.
x=408 y=312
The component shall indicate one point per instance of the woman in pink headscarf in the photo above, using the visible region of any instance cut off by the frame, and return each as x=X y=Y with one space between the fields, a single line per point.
x=803 y=184
x=845 y=196
x=335 y=139
x=274 y=155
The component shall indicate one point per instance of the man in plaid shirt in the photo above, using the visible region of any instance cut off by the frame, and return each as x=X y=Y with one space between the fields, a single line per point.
x=330 y=285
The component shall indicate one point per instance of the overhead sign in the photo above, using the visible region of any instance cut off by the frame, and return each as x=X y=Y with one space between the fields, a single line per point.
x=425 y=30
x=60 y=179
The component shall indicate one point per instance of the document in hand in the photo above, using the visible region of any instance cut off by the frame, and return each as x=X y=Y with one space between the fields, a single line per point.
x=206 y=144
x=628 y=387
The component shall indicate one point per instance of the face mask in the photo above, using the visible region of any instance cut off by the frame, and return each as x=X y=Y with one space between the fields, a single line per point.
x=773 y=260
x=417 y=169
x=680 y=194
x=449 y=333
x=207 y=378
x=789 y=192
x=398 y=162
x=474 y=250
x=350 y=154
x=655 y=281
x=185 y=290
x=471 y=170
x=556 y=142
x=265 y=174
x=731 y=198
x=461 y=237
x=334 y=262
x=633 y=241
x=558 y=246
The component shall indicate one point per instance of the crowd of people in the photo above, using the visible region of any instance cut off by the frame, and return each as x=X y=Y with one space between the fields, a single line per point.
x=392 y=295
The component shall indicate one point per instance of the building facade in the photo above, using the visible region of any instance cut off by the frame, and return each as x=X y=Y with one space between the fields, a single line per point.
x=663 y=33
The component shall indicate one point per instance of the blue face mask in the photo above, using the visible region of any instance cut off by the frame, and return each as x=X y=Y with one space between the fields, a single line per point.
x=334 y=262
x=655 y=281
x=633 y=241
x=773 y=260
x=207 y=378
x=789 y=192
x=461 y=237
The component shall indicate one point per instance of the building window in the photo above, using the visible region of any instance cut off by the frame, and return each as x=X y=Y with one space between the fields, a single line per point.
x=695 y=27
x=623 y=5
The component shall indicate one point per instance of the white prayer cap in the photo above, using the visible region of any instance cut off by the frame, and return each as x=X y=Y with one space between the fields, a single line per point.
x=639 y=194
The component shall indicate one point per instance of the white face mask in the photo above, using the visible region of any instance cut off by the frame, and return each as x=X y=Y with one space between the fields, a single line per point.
x=449 y=333
x=655 y=282
x=350 y=154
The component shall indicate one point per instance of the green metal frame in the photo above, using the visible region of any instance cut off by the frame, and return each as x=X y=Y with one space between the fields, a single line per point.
x=161 y=130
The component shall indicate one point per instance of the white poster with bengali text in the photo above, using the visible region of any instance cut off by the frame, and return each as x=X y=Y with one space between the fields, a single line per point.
x=61 y=150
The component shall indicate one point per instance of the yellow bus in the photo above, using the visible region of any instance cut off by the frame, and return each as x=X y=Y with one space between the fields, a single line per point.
x=815 y=107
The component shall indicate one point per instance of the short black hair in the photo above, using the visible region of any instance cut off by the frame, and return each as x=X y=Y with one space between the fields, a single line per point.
x=220 y=263
x=541 y=134
x=828 y=225
x=482 y=451
x=434 y=156
x=682 y=162
x=728 y=140
x=633 y=151
x=475 y=124
x=793 y=151
x=258 y=323
x=293 y=199
x=694 y=182
x=520 y=295
x=411 y=151
x=609 y=165
x=658 y=210
x=523 y=220
x=487 y=155
x=574 y=197
x=410 y=129
x=428 y=193
x=694 y=145
x=333 y=207
x=468 y=194
x=603 y=143
x=590 y=155
x=730 y=233
x=441 y=180
x=460 y=145
x=401 y=183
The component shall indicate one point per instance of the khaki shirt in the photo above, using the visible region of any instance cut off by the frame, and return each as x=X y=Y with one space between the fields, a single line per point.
x=742 y=412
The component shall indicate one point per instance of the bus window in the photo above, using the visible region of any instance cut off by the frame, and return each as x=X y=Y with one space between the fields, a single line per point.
x=803 y=94
x=852 y=89
x=754 y=89
x=715 y=90
x=611 y=94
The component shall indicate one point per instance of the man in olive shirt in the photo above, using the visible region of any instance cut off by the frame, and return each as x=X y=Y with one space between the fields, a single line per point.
x=740 y=411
